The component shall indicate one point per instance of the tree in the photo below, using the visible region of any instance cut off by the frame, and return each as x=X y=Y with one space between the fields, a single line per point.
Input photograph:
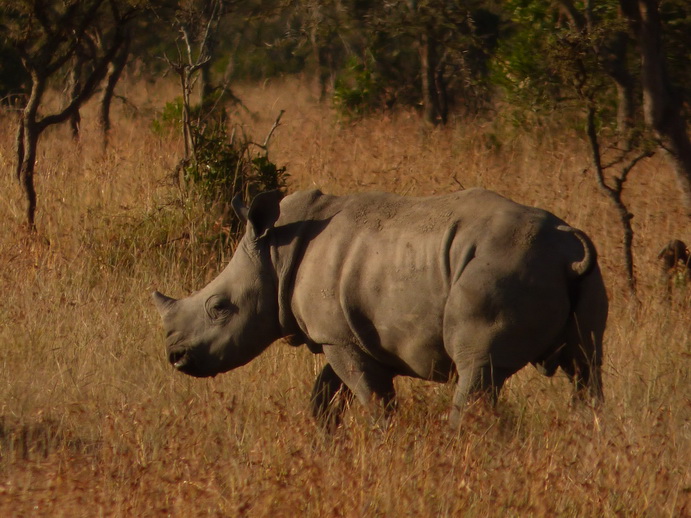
x=612 y=52
x=47 y=35
x=197 y=25
x=662 y=103
x=198 y=22
x=581 y=55
x=452 y=42
x=426 y=54
x=115 y=68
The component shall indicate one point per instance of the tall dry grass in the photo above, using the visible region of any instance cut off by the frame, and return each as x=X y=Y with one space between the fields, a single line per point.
x=94 y=422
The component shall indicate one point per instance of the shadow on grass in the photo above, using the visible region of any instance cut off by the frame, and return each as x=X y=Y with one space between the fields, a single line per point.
x=37 y=439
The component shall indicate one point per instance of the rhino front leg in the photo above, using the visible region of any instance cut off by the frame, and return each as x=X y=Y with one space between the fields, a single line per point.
x=329 y=398
x=371 y=382
x=480 y=381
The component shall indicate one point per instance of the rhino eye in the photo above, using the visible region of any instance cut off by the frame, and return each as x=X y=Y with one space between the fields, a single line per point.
x=219 y=309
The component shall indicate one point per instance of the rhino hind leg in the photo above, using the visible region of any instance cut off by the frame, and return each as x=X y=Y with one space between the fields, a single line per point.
x=330 y=397
x=370 y=381
x=581 y=358
x=583 y=367
x=548 y=365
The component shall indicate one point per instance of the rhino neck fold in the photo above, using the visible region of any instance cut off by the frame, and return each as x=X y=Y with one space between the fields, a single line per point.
x=285 y=260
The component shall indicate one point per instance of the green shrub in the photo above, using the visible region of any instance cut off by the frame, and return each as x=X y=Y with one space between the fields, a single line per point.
x=170 y=118
x=357 y=91
x=223 y=165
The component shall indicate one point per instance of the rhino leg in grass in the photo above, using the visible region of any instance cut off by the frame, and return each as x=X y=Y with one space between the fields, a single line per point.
x=468 y=284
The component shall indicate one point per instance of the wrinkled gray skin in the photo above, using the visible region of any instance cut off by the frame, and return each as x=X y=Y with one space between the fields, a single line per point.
x=468 y=284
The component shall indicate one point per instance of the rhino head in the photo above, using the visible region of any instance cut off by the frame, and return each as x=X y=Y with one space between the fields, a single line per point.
x=235 y=317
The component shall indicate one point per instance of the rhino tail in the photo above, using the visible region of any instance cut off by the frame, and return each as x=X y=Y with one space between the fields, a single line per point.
x=589 y=260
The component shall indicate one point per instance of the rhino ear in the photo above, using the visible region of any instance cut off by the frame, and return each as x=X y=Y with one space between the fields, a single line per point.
x=263 y=212
x=240 y=208
x=163 y=304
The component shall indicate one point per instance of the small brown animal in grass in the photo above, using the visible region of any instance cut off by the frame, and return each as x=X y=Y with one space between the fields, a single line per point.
x=675 y=260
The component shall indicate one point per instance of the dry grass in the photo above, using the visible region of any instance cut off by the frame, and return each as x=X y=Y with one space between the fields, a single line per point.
x=94 y=422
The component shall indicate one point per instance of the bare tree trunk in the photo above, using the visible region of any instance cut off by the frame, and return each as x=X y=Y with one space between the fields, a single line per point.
x=19 y=147
x=662 y=105
x=74 y=86
x=212 y=13
x=441 y=93
x=27 y=141
x=428 y=66
x=321 y=52
x=318 y=55
x=625 y=106
x=26 y=172
x=115 y=68
x=616 y=67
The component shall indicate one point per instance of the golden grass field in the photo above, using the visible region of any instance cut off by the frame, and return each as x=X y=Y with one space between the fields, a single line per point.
x=95 y=422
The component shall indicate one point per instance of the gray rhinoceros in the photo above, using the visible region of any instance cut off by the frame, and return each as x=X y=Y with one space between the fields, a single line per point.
x=468 y=284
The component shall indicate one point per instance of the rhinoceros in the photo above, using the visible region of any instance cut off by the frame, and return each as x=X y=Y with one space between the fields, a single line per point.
x=468 y=286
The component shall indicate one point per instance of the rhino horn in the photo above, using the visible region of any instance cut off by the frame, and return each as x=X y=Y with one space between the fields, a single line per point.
x=163 y=304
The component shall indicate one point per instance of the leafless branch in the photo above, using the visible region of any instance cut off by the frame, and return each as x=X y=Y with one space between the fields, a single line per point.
x=615 y=192
x=276 y=124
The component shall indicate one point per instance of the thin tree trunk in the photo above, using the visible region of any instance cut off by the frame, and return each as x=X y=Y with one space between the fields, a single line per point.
x=206 y=87
x=662 y=105
x=441 y=93
x=625 y=106
x=428 y=60
x=19 y=147
x=186 y=116
x=75 y=86
x=321 y=53
x=26 y=151
x=115 y=68
x=616 y=67
x=212 y=12
x=26 y=173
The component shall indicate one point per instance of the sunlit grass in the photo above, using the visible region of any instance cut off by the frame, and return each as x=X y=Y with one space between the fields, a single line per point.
x=94 y=422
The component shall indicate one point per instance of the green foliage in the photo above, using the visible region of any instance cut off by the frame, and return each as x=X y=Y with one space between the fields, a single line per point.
x=220 y=165
x=357 y=91
x=676 y=20
x=544 y=63
x=266 y=176
x=170 y=118
x=519 y=66
x=461 y=36
x=223 y=165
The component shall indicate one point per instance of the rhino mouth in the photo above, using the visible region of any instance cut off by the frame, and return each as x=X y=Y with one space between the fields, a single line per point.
x=185 y=361
x=181 y=360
